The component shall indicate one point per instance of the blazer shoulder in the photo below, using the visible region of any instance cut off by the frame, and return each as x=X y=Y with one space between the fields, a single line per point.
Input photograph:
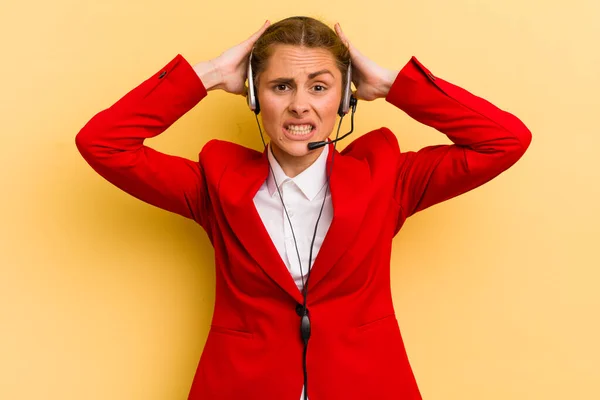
x=373 y=145
x=218 y=155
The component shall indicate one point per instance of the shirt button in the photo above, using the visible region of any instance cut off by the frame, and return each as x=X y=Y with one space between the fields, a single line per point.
x=162 y=74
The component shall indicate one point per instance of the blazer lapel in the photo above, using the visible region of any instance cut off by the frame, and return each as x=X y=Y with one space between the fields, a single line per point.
x=238 y=187
x=350 y=186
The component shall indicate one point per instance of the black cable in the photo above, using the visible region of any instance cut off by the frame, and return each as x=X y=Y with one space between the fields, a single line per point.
x=281 y=197
x=305 y=327
x=305 y=285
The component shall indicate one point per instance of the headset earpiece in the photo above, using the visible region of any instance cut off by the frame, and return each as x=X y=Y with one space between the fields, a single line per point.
x=347 y=98
x=251 y=97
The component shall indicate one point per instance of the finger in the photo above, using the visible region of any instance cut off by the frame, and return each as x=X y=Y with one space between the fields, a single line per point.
x=342 y=36
x=257 y=34
x=356 y=95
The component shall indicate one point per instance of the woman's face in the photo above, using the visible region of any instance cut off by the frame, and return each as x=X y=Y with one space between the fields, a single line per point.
x=299 y=94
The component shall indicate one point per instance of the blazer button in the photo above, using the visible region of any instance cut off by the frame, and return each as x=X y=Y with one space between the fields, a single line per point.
x=162 y=74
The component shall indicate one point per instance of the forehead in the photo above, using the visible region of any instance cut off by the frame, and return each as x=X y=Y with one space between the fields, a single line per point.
x=289 y=60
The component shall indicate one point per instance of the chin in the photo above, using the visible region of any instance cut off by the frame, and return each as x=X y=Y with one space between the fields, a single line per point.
x=295 y=149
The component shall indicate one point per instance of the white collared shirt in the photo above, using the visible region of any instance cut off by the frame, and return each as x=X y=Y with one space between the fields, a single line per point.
x=302 y=196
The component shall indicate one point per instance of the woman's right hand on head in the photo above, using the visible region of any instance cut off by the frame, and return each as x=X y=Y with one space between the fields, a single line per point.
x=229 y=70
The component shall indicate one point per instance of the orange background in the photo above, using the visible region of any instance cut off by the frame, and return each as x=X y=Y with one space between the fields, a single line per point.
x=105 y=297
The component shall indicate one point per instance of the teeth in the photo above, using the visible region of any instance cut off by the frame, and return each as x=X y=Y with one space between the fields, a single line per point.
x=299 y=129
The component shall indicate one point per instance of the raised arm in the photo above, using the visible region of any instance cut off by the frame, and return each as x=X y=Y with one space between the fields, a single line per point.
x=487 y=140
x=112 y=142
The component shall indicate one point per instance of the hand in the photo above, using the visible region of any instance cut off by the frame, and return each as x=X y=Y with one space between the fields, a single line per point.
x=229 y=70
x=371 y=80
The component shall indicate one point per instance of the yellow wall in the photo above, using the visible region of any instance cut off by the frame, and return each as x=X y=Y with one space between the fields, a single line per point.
x=104 y=297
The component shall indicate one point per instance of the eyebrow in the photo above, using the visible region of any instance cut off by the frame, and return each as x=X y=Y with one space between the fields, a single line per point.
x=310 y=76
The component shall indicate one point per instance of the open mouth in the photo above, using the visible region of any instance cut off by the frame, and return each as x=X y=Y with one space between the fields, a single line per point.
x=299 y=131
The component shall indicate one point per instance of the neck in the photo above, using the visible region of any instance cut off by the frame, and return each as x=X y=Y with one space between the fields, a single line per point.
x=292 y=165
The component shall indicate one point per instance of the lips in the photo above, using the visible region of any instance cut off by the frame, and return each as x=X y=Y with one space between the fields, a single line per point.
x=295 y=134
x=289 y=122
x=299 y=130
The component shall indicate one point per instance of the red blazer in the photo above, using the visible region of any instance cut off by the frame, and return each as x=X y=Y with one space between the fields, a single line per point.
x=254 y=350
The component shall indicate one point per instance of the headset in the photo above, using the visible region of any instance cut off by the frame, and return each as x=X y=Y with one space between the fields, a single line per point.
x=348 y=101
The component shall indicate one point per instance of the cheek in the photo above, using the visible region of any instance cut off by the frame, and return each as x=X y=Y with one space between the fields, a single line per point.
x=271 y=107
x=332 y=103
x=329 y=110
x=332 y=107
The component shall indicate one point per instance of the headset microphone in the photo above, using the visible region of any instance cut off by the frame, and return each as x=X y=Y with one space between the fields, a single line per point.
x=316 y=145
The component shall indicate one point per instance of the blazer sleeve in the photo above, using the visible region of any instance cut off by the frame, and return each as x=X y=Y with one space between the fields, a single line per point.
x=112 y=142
x=487 y=140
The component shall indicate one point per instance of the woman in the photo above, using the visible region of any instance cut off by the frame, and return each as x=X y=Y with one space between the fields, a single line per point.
x=270 y=214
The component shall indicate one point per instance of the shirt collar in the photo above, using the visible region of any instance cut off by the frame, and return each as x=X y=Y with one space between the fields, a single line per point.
x=310 y=181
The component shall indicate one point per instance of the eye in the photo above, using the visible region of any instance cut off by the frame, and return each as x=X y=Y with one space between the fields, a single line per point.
x=319 y=88
x=280 y=87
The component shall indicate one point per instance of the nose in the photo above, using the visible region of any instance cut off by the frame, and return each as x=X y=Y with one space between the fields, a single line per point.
x=299 y=104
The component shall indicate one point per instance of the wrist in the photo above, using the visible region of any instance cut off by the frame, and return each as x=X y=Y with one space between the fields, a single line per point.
x=387 y=80
x=209 y=74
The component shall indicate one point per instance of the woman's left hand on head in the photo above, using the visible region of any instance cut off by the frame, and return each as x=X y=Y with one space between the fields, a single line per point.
x=371 y=80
